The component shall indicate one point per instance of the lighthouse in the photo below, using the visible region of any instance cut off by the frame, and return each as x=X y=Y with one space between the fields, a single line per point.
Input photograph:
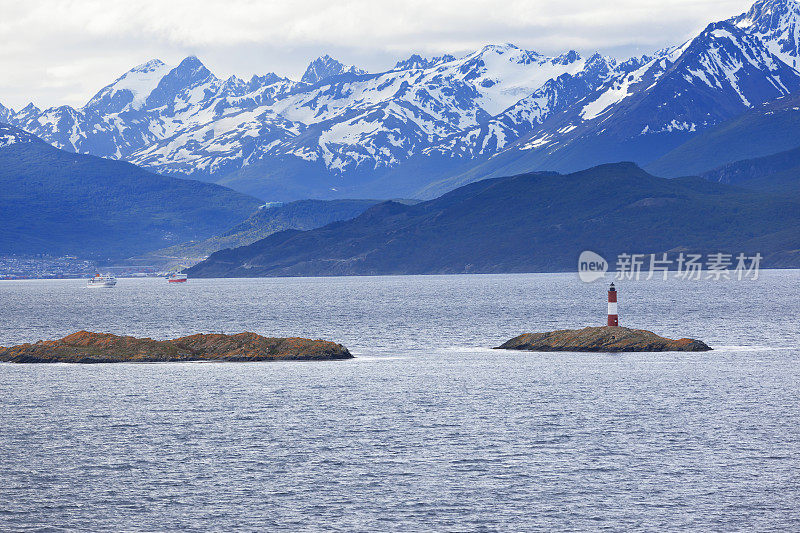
x=613 y=318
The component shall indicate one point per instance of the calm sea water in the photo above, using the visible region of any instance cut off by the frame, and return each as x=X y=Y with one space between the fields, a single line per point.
x=426 y=429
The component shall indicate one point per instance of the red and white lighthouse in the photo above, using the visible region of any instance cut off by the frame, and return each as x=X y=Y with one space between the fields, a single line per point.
x=613 y=318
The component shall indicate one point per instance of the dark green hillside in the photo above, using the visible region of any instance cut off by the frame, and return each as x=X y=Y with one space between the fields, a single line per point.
x=778 y=172
x=302 y=214
x=56 y=202
x=765 y=130
x=525 y=223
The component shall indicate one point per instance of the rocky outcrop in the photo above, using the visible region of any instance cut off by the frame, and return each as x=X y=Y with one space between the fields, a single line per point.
x=602 y=339
x=88 y=347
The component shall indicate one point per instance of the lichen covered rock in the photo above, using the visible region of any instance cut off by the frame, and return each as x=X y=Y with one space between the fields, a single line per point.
x=602 y=339
x=88 y=347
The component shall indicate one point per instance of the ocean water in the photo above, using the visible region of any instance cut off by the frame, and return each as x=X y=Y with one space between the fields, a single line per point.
x=427 y=429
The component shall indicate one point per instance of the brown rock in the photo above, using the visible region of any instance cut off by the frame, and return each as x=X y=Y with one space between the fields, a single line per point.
x=88 y=347
x=602 y=339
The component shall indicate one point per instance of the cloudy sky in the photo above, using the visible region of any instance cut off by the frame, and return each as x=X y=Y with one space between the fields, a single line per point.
x=55 y=52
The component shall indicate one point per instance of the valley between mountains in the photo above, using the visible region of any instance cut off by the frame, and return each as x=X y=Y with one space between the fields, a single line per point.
x=172 y=163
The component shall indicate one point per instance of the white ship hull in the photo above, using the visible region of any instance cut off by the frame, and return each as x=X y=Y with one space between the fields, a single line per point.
x=102 y=282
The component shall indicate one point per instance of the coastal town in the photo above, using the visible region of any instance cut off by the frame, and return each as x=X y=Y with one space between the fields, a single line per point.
x=63 y=267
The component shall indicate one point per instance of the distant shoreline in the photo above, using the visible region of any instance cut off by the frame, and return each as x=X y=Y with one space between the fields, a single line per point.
x=609 y=275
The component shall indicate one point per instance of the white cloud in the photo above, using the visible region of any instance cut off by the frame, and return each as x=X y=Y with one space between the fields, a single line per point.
x=56 y=51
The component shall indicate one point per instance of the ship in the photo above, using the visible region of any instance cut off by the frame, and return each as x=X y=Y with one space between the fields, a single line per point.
x=102 y=280
x=178 y=278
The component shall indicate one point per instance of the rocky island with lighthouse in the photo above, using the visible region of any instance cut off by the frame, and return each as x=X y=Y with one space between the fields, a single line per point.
x=609 y=338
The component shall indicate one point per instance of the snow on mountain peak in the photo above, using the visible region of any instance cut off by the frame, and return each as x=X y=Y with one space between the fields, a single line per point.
x=326 y=67
x=129 y=91
x=267 y=79
x=723 y=71
x=512 y=53
x=148 y=66
x=567 y=58
x=498 y=98
x=188 y=120
x=504 y=74
x=191 y=70
x=29 y=110
x=768 y=15
x=500 y=48
x=187 y=79
x=191 y=62
x=417 y=62
x=5 y=113
x=10 y=135
x=777 y=24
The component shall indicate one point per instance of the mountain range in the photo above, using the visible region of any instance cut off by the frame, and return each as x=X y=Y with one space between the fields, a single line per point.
x=429 y=125
x=537 y=222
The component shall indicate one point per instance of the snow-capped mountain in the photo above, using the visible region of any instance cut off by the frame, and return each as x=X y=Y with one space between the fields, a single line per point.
x=130 y=91
x=148 y=104
x=416 y=61
x=371 y=123
x=342 y=131
x=721 y=73
x=554 y=95
x=10 y=135
x=643 y=113
x=5 y=114
x=326 y=67
x=777 y=24
x=184 y=120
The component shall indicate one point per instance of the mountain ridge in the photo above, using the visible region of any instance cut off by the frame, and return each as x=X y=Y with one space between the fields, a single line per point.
x=527 y=223
x=344 y=132
x=268 y=219
x=55 y=202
